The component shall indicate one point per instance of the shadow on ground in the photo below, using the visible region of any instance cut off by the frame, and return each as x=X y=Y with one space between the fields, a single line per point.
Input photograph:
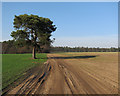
x=73 y=57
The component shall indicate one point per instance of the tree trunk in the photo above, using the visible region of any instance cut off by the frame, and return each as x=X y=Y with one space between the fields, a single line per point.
x=33 y=53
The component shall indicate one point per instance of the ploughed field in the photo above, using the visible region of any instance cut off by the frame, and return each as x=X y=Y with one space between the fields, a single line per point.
x=74 y=73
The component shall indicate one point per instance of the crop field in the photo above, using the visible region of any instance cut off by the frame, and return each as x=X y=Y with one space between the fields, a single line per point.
x=75 y=73
x=14 y=65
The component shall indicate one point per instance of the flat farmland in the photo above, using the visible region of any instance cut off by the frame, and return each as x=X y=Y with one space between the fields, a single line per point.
x=83 y=73
x=15 y=65
x=75 y=73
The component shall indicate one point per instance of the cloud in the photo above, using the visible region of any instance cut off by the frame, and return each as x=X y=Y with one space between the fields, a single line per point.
x=90 y=41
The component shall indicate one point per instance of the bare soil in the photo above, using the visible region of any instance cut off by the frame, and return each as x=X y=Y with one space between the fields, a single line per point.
x=73 y=74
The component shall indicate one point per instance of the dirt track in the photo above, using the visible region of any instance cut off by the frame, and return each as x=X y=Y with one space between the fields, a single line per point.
x=67 y=75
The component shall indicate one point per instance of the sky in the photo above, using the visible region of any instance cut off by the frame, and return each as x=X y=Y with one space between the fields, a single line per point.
x=87 y=24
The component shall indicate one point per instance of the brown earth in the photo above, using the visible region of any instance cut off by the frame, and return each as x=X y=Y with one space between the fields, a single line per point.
x=74 y=73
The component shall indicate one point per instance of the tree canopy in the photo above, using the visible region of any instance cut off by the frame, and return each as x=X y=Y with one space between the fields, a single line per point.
x=32 y=30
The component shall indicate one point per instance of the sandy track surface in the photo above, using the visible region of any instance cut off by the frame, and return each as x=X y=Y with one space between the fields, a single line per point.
x=33 y=81
x=69 y=76
x=64 y=75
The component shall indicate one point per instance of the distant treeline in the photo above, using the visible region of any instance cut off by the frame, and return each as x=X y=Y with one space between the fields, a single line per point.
x=8 y=47
x=83 y=49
